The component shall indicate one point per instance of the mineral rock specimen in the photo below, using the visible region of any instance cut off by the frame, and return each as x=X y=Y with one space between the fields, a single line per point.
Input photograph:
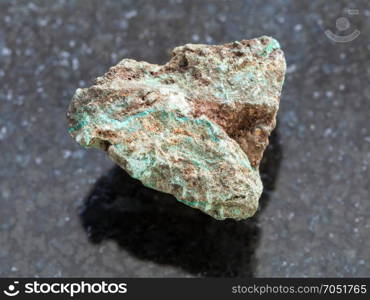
x=195 y=127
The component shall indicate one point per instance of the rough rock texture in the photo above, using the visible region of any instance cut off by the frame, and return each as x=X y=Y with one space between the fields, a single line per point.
x=195 y=127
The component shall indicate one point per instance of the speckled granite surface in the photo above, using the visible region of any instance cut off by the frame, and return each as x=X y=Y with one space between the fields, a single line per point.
x=66 y=211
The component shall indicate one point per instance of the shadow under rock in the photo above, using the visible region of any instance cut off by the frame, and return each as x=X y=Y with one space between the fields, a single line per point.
x=155 y=226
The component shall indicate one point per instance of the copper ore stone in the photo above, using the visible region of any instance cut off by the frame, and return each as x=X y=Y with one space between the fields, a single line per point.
x=195 y=127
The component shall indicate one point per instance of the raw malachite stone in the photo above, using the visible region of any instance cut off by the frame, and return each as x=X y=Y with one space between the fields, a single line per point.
x=195 y=127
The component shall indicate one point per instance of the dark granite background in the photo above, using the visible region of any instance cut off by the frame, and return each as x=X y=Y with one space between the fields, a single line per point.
x=67 y=211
